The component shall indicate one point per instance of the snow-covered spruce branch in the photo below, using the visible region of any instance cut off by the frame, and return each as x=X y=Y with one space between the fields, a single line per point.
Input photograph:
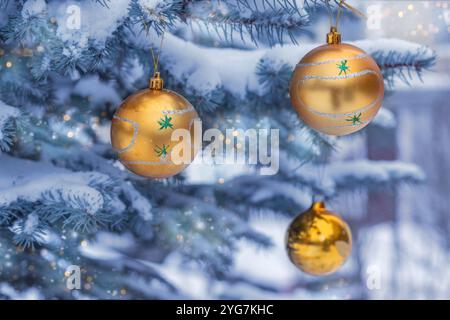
x=399 y=59
x=264 y=19
x=156 y=15
x=213 y=69
x=373 y=174
x=35 y=196
x=239 y=72
x=8 y=117
x=197 y=227
x=293 y=188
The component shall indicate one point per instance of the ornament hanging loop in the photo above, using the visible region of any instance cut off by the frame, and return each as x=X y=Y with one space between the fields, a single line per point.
x=156 y=82
x=334 y=37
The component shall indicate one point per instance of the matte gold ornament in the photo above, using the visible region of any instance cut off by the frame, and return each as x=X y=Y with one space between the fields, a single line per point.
x=318 y=241
x=337 y=88
x=142 y=126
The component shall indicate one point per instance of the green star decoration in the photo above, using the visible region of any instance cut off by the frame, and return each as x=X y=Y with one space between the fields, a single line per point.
x=165 y=123
x=343 y=67
x=162 y=151
x=356 y=119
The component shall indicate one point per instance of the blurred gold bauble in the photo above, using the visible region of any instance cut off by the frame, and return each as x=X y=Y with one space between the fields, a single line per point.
x=337 y=88
x=142 y=127
x=318 y=241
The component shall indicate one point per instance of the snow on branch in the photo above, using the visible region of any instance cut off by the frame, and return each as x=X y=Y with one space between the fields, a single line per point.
x=204 y=70
x=261 y=19
x=399 y=58
x=294 y=187
x=8 y=115
x=157 y=15
x=34 y=195
x=369 y=173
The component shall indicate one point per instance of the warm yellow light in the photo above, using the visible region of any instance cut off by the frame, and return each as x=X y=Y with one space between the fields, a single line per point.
x=410 y=7
x=400 y=14
x=8 y=64
x=66 y=117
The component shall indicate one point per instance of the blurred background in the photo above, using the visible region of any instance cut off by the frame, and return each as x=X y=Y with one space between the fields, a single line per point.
x=218 y=232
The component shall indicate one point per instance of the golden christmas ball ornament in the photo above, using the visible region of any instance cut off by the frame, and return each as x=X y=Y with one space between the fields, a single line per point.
x=318 y=241
x=337 y=88
x=142 y=127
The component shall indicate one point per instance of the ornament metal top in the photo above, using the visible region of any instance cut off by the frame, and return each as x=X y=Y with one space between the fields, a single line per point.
x=337 y=88
x=142 y=127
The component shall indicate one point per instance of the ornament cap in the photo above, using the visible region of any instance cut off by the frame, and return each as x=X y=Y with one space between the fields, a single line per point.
x=156 y=82
x=318 y=206
x=333 y=37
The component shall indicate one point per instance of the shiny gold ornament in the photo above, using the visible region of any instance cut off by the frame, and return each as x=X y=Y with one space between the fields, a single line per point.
x=318 y=241
x=337 y=88
x=142 y=126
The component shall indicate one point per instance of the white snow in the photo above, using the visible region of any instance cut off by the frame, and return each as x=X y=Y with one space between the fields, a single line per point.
x=107 y=246
x=205 y=69
x=374 y=171
x=385 y=118
x=138 y=202
x=98 y=92
x=27 y=294
x=96 y=22
x=33 y=7
x=28 y=180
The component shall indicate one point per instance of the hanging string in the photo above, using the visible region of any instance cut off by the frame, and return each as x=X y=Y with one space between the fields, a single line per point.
x=353 y=9
x=330 y=12
x=156 y=57
x=339 y=12
x=321 y=175
x=343 y=3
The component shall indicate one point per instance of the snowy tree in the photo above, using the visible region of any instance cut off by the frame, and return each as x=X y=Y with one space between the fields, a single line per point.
x=66 y=200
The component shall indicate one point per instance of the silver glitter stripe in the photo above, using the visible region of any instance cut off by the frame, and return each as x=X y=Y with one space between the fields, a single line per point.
x=135 y=133
x=312 y=64
x=347 y=125
x=347 y=76
x=348 y=114
x=159 y=163
x=188 y=109
x=342 y=115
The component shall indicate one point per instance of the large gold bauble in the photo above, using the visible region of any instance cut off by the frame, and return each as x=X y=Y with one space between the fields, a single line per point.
x=318 y=241
x=337 y=89
x=142 y=126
